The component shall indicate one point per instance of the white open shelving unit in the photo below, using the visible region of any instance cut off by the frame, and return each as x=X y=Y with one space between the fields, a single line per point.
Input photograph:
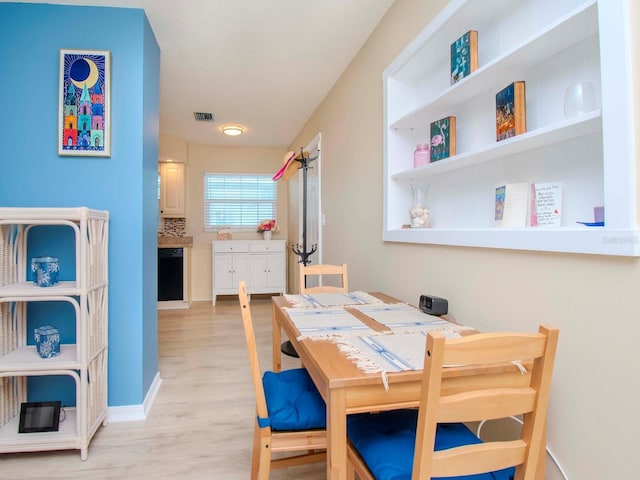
x=550 y=45
x=86 y=360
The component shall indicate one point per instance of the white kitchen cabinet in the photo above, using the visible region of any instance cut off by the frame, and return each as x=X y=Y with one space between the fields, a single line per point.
x=85 y=361
x=172 y=190
x=230 y=265
x=550 y=45
x=260 y=263
x=267 y=266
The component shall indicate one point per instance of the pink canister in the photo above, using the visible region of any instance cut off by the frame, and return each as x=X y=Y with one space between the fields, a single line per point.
x=422 y=155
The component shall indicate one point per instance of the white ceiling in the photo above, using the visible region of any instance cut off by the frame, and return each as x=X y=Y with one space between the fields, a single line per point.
x=264 y=64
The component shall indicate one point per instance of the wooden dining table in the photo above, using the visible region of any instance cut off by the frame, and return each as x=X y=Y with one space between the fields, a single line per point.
x=346 y=389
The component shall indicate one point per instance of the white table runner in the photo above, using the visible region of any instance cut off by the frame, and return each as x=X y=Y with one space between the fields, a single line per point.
x=400 y=349
x=326 y=323
x=315 y=300
x=400 y=317
x=388 y=353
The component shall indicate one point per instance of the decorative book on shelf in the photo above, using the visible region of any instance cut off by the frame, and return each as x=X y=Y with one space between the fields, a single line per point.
x=511 y=117
x=464 y=56
x=512 y=204
x=546 y=204
x=443 y=138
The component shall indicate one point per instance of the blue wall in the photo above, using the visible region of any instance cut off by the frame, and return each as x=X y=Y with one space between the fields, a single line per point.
x=33 y=175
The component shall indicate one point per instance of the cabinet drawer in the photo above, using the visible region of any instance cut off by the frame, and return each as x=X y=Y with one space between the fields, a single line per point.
x=266 y=246
x=230 y=247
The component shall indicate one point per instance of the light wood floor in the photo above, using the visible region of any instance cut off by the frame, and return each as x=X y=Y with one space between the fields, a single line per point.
x=200 y=426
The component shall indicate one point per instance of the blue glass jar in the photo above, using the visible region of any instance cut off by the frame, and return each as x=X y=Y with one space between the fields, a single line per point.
x=45 y=270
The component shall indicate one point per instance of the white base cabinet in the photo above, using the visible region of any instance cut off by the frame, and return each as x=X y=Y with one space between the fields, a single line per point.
x=85 y=361
x=260 y=263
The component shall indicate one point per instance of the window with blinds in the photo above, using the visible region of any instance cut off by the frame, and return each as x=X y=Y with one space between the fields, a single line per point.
x=238 y=200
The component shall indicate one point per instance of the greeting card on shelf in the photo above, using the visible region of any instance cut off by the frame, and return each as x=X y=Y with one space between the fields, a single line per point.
x=464 y=56
x=511 y=116
x=546 y=204
x=443 y=138
x=512 y=205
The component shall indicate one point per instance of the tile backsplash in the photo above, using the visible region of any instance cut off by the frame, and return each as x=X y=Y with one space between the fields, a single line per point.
x=173 y=227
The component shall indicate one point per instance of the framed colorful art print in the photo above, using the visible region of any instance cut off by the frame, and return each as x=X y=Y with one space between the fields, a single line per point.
x=84 y=114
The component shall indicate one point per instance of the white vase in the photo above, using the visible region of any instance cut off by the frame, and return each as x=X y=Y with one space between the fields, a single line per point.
x=420 y=214
x=579 y=99
x=266 y=235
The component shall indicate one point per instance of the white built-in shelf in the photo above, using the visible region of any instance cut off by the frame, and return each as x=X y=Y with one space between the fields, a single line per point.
x=579 y=239
x=569 y=29
x=587 y=124
x=549 y=45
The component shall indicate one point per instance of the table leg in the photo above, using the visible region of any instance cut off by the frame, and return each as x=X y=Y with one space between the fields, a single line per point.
x=336 y=435
x=276 y=340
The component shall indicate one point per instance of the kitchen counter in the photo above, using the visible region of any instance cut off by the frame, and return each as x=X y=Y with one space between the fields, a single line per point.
x=174 y=242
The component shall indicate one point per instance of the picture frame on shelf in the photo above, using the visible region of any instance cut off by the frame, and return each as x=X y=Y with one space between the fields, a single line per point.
x=546 y=204
x=512 y=204
x=464 y=56
x=511 y=112
x=84 y=101
x=443 y=138
x=39 y=417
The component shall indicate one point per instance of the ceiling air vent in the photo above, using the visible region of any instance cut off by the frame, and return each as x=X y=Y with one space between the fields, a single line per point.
x=203 y=116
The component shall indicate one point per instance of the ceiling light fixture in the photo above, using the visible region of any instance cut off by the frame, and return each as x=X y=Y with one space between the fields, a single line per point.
x=233 y=130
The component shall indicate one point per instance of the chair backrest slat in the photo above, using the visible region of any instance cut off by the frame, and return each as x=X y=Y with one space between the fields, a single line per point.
x=486 y=395
x=480 y=457
x=485 y=348
x=322 y=270
x=486 y=404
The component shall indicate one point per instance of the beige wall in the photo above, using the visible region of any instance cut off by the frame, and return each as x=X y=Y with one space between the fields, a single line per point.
x=592 y=299
x=231 y=160
x=172 y=149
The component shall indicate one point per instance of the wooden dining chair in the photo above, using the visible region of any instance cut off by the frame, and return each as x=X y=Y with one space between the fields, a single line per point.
x=332 y=271
x=290 y=413
x=433 y=441
x=324 y=270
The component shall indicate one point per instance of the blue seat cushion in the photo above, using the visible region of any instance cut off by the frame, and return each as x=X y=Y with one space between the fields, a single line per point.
x=293 y=402
x=386 y=443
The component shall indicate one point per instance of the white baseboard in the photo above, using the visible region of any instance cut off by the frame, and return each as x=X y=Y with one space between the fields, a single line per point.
x=174 y=305
x=132 y=413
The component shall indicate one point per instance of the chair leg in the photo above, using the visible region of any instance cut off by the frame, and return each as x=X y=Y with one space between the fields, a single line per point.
x=351 y=472
x=264 y=468
x=255 y=452
x=261 y=455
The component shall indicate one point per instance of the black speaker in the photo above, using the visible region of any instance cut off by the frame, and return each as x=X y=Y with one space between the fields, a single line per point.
x=433 y=305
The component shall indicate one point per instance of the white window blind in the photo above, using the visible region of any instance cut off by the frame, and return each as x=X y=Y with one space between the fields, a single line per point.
x=238 y=200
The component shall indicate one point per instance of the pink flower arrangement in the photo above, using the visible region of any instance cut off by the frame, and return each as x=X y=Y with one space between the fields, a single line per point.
x=267 y=226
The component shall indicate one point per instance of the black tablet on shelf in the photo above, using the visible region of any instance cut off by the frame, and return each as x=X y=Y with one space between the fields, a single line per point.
x=39 y=417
